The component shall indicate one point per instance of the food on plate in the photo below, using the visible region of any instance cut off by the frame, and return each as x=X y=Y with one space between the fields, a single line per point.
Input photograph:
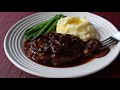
x=77 y=26
x=43 y=27
x=55 y=49
x=63 y=41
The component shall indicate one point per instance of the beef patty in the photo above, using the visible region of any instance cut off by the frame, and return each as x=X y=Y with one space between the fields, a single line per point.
x=57 y=49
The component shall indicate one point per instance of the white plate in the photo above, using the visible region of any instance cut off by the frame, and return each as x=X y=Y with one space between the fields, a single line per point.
x=13 y=46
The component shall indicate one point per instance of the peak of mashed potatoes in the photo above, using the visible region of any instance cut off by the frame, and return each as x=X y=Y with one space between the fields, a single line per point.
x=77 y=26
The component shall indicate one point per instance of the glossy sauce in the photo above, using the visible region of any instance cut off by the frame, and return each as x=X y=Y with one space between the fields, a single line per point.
x=79 y=61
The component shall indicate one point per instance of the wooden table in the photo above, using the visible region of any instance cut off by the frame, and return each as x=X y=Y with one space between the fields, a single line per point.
x=8 y=70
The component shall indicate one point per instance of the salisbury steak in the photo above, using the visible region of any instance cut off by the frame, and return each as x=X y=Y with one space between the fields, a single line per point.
x=55 y=48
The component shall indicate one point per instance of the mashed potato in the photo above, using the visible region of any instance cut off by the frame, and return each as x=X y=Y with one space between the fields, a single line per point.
x=76 y=26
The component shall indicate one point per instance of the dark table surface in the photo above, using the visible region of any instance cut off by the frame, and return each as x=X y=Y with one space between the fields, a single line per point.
x=8 y=70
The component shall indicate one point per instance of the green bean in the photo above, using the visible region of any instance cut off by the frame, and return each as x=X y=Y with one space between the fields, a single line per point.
x=47 y=26
x=43 y=28
x=62 y=15
x=35 y=28
x=39 y=25
x=53 y=27
x=32 y=35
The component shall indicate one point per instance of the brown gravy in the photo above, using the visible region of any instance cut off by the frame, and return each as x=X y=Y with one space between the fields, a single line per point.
x=79 y=61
